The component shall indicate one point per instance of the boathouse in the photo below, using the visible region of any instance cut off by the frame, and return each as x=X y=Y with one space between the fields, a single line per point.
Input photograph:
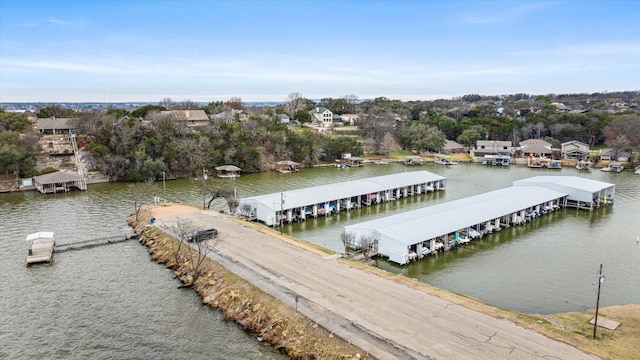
x=59 y=181
x=582 y=193
x=323 y=200
x=412 y=235
x=228 y=171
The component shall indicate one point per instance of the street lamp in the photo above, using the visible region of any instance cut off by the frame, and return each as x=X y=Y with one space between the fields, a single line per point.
x=595 y=321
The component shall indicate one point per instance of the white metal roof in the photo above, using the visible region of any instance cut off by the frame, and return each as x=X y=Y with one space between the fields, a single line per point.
x=573 y=182
x=430 y=222
x=41 y=235
x=329 y=192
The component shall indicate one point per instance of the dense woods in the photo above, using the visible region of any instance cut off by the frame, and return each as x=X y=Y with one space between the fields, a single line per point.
x=139 y=144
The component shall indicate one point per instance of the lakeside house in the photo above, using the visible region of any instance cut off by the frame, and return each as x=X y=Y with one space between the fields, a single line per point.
x=575 y=150
x=452 y=147
x=192 y=119
x=53 y=125
x=535 y=148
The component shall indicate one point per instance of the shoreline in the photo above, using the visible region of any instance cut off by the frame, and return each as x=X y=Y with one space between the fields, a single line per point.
x=570 y=328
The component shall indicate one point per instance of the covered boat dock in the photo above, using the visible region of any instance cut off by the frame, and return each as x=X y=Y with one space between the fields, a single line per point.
x=323 y=200
x=412 y=235
x=59 y=181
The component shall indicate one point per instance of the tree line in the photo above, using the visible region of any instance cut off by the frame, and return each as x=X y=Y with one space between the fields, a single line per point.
x=140 y=144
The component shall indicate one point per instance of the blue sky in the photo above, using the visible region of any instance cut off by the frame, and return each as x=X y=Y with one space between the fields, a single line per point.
x=116 y=50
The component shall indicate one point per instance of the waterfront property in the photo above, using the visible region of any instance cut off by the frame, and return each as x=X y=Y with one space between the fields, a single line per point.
x=228 y=171
x=297 y=205
x=59 y=181
x=412 y=235
x=40 y=247
x=287 y=166
x=496 y=160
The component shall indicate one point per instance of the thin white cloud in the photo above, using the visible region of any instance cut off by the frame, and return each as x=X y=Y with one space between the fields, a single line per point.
x=61 y=22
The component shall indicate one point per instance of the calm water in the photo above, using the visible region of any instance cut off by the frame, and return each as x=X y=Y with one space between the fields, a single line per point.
x=112 y=302
x=106 y=302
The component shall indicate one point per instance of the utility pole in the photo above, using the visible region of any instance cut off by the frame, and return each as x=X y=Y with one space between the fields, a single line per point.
x=281 y=210
x=204 y=177
x=595 y=321
x=164 y=186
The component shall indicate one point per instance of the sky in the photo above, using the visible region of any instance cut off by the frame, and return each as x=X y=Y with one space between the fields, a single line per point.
x=205 y=50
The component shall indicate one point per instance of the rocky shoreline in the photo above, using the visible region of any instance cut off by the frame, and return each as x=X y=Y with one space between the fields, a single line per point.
x=271 y=321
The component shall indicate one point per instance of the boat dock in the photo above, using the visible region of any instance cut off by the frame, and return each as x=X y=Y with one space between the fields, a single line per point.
x=298 y=205
x=412 y=235
x=40 y=247
x=43 y=245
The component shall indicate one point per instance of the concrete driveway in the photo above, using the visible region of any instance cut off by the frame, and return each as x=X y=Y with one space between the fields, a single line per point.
x=387 y=319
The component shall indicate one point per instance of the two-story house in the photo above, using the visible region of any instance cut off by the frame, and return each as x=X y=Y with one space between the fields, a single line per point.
x=322 y=117
x=575 y=150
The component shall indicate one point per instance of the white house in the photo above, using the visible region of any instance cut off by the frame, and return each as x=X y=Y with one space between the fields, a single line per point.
x=575 y=150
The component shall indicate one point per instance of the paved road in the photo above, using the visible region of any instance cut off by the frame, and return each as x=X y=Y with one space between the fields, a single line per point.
x=388 y=319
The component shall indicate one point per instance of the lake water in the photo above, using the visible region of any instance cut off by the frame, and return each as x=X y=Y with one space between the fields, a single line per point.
x=113 y=302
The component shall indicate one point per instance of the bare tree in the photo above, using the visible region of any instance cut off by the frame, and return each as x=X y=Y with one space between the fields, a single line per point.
x=293 y=103
x=213 y=188
x=139 y=192
x=168 y=103
x=235 y=103
x=348 y=240
x=197 y=253
x=367 y=246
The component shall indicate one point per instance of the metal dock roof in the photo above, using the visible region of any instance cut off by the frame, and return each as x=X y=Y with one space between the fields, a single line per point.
x=430 y=222
x=330 y=192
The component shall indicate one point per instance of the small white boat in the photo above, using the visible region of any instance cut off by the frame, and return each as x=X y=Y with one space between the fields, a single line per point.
x=445 y=162
x=637 y=172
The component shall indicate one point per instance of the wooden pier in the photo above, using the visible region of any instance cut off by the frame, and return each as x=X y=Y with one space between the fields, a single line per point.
x=93 y=242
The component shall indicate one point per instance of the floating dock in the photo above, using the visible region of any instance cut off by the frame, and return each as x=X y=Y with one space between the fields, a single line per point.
x=297 y=205
x=40 y=247
x=412 y=235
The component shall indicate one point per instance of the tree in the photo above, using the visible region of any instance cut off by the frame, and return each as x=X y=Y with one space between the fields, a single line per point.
x=214 y=188
x=294 y=104
x=469 y=137
x=14 y=122
x=235 y=103
x=367 y=245
x=422 y=137
x=197 y=253
x=167 y=103
x=623 y=132
x=139 y=192
x=302 y=116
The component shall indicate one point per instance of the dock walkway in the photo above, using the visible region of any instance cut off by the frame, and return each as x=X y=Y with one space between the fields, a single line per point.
x=59 y=247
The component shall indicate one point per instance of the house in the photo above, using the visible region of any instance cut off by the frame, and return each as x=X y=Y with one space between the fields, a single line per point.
x=452 y=147
x=613 y=155
x=492 y=147
x=349 y=119
x=322 y=117
x=284 y=119
x=575 y=150
x=535 y=148
x=192 y=119
x=53 y=125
